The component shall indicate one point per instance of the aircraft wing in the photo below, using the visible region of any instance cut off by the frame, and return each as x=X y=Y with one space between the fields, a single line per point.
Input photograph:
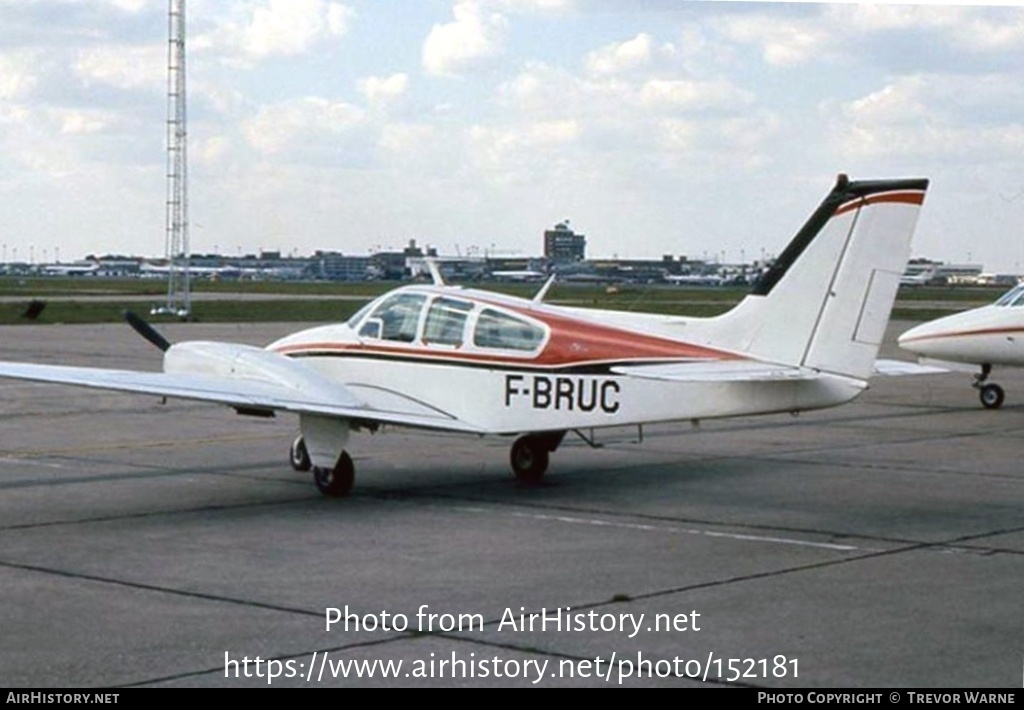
x=718 y=371
x=246 y=394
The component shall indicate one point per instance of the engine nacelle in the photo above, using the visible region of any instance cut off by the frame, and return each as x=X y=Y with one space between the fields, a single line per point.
x=229 y=360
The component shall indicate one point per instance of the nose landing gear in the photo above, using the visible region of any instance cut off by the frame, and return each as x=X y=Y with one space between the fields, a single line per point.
x=991 y=394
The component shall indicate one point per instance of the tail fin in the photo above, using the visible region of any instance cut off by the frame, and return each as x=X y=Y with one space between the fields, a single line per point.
x=826 y=301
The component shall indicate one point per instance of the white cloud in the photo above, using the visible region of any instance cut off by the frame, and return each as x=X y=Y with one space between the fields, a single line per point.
x=290 y=26
x=938 y=116
x=209 y=150
x=278 y=127
x=406 y=138
x=339 y=18
x=783 y=41
x=872 y=17
x=534 y=5
x=124 y=67
x=279 y=28
x=982 y=34
x=16 y=78
x=515 y=153
x=43 y=141
x=380 y=90
x=130 y=5
x=622 y=57
x=694 y=95
x=891 y=104
x=475 y=36
x=82 y=122
x=841 y=29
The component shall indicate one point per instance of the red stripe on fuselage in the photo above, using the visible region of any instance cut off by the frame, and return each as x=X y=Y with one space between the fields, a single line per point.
x=574 y=341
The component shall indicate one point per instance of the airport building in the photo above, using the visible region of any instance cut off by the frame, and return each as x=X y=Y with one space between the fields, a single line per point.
x=562 y=244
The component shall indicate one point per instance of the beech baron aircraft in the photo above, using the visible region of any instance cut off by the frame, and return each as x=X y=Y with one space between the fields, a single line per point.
x=986 y=336
x=442 y=357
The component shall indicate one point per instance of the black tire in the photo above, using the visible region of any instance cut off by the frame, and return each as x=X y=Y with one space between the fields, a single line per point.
x=299 y=455
x=529 y=459
x=991 y=396
x=336 y=482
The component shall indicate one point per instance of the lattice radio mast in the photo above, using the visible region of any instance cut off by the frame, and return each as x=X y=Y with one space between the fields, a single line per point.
x=179 y=299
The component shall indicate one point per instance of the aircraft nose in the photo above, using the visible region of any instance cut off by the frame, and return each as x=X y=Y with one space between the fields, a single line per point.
x=918 y=339
x=906 y=338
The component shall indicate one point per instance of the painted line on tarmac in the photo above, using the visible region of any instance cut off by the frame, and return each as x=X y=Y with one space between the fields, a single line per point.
x=643 y=527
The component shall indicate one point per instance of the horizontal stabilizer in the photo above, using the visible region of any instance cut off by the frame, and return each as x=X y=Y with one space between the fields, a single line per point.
x=903 y=367
x=718 y=371
x=948 y=365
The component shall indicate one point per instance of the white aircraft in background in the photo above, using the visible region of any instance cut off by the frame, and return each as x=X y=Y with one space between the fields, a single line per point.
x=446 y=358
x=986 y=336
x=518 y=275
x=695 y=279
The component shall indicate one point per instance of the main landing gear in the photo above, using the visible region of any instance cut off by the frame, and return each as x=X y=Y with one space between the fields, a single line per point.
x=991 y=394
x=531 y=454
x=528 y=458
x=299 y=457
x=335 y=482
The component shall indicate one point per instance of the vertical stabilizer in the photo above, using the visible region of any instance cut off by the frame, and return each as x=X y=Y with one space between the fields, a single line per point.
x=826 y=301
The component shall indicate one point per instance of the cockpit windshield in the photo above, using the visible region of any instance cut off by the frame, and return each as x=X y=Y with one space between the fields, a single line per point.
x=354 y=319
x=1013 y=297
x=396 y=318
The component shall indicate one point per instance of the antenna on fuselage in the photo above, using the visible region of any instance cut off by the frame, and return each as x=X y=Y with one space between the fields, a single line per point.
x=544 y=289
x=435 y=272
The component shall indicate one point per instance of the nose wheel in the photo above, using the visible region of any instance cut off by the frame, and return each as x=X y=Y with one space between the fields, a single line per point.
x=991 y=394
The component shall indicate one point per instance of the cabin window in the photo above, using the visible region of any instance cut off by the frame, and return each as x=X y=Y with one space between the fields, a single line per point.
x=495 y=329
x=446 y=322
x=397 y=318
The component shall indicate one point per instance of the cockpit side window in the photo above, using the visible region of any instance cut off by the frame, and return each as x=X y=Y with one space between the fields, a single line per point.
x=446 y=322
x=397 y=318
x=495 y=329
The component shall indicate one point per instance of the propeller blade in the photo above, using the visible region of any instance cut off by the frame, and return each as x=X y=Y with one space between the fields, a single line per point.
x=147 y=331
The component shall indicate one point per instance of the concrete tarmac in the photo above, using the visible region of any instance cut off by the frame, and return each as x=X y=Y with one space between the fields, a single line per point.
x=875 y=545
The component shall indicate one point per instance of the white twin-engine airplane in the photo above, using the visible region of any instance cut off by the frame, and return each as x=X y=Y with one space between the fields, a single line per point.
x=986 y=336
x=446 y=358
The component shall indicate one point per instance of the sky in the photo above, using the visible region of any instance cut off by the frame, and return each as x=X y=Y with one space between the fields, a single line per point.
x=708 y=129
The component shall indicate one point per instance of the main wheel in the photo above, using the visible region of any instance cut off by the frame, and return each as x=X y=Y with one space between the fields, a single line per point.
x=991 y=396
x=529 y=459
x=336 y=482
x=299 y=455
